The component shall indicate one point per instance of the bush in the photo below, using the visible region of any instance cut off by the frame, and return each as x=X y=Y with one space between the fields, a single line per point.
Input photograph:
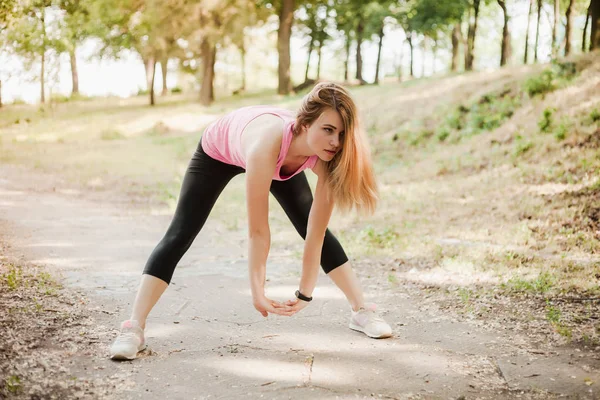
x=561 y=131
x=176 y=89
x=540 y=84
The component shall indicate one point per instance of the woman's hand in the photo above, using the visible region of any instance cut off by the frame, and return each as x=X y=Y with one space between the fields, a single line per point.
x=265 y=306
x=296 y=305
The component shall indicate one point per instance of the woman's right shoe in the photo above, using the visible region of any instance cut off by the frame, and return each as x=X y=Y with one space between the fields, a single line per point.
x=129 y=342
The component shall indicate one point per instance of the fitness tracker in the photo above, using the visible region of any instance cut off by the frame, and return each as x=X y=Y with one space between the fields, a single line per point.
x=302 y=297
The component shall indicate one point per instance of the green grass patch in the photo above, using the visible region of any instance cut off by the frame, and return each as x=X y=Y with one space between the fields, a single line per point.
x=540 y=285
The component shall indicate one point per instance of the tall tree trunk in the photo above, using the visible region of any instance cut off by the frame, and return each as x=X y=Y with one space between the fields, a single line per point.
x=359 y=37
x=74 y=74
x=595 y=37
x=43 y=72
x=209 y=53
x=379 y=55
x=286 y=20
x=163 y=69
x=537 y=31
x=470 y=59
x=505 y=49
x=310 y=49
x=347 y=60
x=319 y=59
x=410 y=43
x=555 y=44
x=584 y=45
x=569 y=28
x=456 y=38
x=150 y=65
x=525 y=58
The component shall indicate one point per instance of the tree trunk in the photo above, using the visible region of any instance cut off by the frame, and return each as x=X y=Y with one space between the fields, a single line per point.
x=0 y=94
x=74 y=74
x=537 y=31
x=319 y=60
x=584 y=46
x=163 y=69
x=347 y=61
x=379 y=55
x=209 y=53
x=505 y=49
x=470 y=58
x=410 y=43
x=310 y=49
x=569 y=28
x=595 y=13
x=525 y=58
x=555 y=29
x=286 y=20
x=43 y=72
x=359 y=33
x=456 y=38
x=150 y=65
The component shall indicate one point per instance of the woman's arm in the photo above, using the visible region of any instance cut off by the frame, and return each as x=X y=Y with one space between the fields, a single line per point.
x=318 y=219
x=261 y=148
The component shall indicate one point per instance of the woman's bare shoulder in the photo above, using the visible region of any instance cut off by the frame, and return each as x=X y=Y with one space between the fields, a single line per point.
x=263 y=133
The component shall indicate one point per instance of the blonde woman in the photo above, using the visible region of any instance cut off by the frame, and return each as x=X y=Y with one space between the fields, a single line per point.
x=273 y=147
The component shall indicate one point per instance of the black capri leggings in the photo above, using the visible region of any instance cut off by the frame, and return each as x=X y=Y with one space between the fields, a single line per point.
x=203 y=182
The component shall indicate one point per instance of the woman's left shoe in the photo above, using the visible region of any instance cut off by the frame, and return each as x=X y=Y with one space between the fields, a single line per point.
x=368 y=321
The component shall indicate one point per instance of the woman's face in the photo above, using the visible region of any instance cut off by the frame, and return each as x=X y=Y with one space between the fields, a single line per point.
x=326 y=135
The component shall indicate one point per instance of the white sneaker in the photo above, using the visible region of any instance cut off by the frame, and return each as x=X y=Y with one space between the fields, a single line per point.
x=129 y=342
x=368 y=321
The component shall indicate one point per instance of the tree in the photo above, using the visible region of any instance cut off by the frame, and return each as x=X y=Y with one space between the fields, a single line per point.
x=537 y=30
x=588 y=15
x=555 y=44
x=595 y=16
x=525 y=58
x=73 y=32
x=284 y=33
x=9 y=11
x=472 y=32
x=505 y=50
x=30 y=38
x=569 y=27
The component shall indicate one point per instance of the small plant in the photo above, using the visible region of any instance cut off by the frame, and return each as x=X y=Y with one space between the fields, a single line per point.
x=545 y=123
x=521 y=146
x=443 y=135
x=553 y=314
x=13 y=384
x=392 y=279
x=382 y=239
x=176 y=89
x=561 y=131
x=540 y=84
x=14 y=277
x=594 y=116
x=465 y=295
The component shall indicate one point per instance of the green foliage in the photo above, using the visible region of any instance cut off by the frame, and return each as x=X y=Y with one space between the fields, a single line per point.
x=542 y=284
x=545 y=123
x=13 y=384
x=176 y=89
x=13 y=278
x=561 y=132
x=540 y=84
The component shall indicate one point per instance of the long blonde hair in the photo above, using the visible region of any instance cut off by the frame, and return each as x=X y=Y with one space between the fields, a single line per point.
x=350 y=172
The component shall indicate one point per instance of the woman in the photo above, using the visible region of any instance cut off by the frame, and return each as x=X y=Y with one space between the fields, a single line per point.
x=273 y=148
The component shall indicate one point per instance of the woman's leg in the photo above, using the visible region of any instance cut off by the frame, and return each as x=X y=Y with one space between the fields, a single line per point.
x=296 y=198
x=202 y=184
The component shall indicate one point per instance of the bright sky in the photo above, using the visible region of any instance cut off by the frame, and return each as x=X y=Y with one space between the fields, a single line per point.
x=126 y=76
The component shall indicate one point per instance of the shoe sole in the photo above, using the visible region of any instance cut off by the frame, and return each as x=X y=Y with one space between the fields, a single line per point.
x=359 y=329
x=126 y=357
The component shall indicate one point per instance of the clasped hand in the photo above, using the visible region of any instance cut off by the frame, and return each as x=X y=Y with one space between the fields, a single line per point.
x=265 y=306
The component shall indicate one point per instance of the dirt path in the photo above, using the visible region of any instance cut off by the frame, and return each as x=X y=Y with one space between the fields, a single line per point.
x=207 y=341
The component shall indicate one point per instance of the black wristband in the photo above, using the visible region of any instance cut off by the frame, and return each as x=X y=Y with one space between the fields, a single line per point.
x=302 y=297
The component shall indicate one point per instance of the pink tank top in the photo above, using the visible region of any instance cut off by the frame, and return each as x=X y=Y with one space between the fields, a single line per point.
x=222 y=139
